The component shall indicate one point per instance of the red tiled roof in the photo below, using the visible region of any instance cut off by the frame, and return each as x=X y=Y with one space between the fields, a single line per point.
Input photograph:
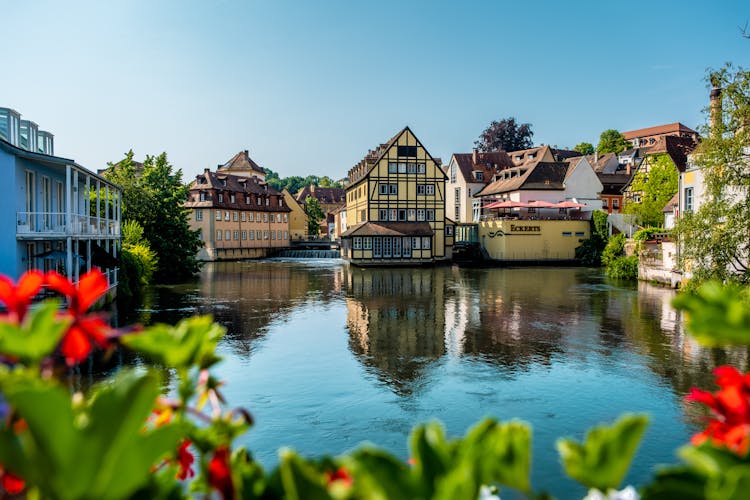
x=228 y=184
x=541 y=175
x=328 y=195
x=389 y=229
x=670 y=128
x=241 y=162
x=488 y=163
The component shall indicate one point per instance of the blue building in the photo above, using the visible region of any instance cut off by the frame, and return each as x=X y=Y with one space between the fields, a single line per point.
x=54 y=213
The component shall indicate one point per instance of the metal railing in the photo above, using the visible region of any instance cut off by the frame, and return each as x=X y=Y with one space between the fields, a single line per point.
x=58 y=223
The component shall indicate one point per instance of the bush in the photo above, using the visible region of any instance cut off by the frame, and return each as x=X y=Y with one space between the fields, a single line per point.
x=590 y=251
x=615 y=248
x=137 y=266
x=624 y=268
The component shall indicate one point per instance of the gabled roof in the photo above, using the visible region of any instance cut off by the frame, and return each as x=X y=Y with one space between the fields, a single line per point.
x=373 y=156
x=612 y=184
x=541 y=175
x=488 y=163
x=670 y=128
x=526 y=156
x=389 y=229
x=231 y=183
x=327 y=195
x=599 y=162
x=673 y=202
x=241 y=162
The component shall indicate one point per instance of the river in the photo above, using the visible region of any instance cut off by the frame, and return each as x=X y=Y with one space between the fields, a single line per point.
x=327 y=356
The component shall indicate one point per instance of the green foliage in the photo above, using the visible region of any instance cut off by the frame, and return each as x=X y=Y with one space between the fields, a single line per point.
x=717 y=315
x=585 y=148
x=37 y=337
x=315 y=215
x=612 y=141
x=656 y=188
x=132 y=233
x=614 y=249
x=713 y=238
x=590 y=251
x=603 y=459
x=647 y=233
x=295 y=183
x=96 y=448
x=153 y=196
x=624 y=268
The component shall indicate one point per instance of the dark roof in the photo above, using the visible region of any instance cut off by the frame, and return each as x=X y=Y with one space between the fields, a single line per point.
x=612 y=184
x=389 y=229
x=488 y=163
x=541 y=175
x=239 y=185
x=328 y=195
x=670 y=128
x=241 y=162
x=564 y=154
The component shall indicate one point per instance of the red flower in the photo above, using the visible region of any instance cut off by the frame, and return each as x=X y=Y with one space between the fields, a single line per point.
x=17 y=297
x=220 y=473
x=185 y=460
x=340 y=474
x=729 y=425
x=12 y=484
x=85 y=331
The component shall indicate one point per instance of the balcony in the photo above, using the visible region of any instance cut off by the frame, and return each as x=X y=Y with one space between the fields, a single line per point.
x=36 y=225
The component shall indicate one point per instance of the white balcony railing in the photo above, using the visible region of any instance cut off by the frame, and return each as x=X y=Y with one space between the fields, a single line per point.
x=57 y=223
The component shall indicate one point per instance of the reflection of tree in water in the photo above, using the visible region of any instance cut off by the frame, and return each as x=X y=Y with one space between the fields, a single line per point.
x=245 y=297
x=396 y=322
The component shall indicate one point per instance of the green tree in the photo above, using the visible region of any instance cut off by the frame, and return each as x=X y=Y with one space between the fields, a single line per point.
x=656 y=187
x=714 y=242
x=585 y=148
x=314 y=216
x=612 y=141
x=590 y=251
x=153 y=196
x=505 y=135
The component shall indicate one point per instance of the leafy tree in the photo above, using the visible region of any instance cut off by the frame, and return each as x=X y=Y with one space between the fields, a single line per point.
x=294 y=183
x=656 y=186
x=153 y=196
x=314 y=215
x=585 y=148
x=713 y=239
x=590 y=251
x=612 y=141
x=505 y=135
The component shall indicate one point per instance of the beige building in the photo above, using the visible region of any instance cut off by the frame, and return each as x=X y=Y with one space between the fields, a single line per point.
x=297 y=216
x=395 y=206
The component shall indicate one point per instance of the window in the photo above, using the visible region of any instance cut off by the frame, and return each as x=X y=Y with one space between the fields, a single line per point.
x=425 y=189
x=367 y=243
x=426 y=242
x=265 y=217
x=532 y=210
x=236 y=235
x=226 y=215
x=234 y=216
x=218 y=235
x=392 y=167
x=286 y=235
x=411 y=214
x=357 y=243
x=689 y=199
x=421 y=168
x=420 y=214
x=430 y=212
x=449 y=230
x=278 y=234
x=202 y=196
x=396 y=247
x=227 y=235
x=244 y=235
x=394 y=189
x=258 y=235
x=401 y=168
x=251 y=217
x=221 y=198
x=218 y=215
x=567 y=233
x=605 y=202
x=383 y=188
x=252 y=235
x=273 y=235
x=615 y=203
x=383 y=214
x=257 y=199
x=286 y=218
x=393 y=214
x=387 y=250
x=265 y=235
x=407 y=151
x=416 y=243
x=377 y=247
x=232 y=198
x=362 y=215
x=457 y=212
x=278 y=218
x=199 y=214
x=411 y=168
x=268 y=201
x=580 y=234
x=406 y=246
x=243 y=216
x=478 y=175
x=402 y=214
x=453 y=174
x=247 y=200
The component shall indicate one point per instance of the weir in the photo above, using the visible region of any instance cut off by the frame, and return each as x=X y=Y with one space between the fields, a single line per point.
x=310 y=254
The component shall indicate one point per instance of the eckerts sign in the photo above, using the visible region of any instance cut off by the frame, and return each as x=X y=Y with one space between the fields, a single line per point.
x=525 y=229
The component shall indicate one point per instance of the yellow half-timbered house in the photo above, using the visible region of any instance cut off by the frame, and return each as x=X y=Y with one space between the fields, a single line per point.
x=395 y=205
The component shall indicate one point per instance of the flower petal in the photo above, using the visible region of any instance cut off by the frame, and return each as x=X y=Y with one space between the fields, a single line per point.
x=29 y=285
x=91 y=286
x=60 y=283
x=75 y=346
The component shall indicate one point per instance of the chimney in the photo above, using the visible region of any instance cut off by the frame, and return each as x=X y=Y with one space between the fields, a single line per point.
x=475 y=156
x=596 y=157
x=715 y=111
x=627 y=168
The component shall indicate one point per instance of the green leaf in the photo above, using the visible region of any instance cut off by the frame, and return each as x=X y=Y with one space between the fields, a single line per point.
x=733 y=485
x=380 y=476
x=603 y=459
x=708 y=460
x=37 y=337
x=717 y=314
x=192 y=342
x=431 y=454
x=299 y=479
x=680 y=482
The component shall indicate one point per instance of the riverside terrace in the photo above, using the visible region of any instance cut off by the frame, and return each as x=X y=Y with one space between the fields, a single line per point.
x=534 y=210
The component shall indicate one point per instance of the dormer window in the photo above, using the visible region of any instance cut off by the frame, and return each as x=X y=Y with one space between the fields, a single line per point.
x=532 y=156
x=258 y=200
x=281 y=202
x=202 y=196
x=221 y=198
x=247 y=200
x=519 y=157
x=479 y=175
x=268 y=201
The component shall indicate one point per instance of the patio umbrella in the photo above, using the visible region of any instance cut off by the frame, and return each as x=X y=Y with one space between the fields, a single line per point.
x=503 y=204
x=569 y=204
x=56 y=254
x=540 y=204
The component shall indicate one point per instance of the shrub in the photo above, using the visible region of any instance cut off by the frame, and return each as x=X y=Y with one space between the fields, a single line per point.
x=624 y=268
x=615 y=248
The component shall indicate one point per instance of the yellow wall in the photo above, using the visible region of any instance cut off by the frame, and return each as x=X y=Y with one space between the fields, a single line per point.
x=297 y=217
x=518 y=240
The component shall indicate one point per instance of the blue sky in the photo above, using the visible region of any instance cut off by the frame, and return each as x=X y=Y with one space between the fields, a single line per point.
x=308 y=87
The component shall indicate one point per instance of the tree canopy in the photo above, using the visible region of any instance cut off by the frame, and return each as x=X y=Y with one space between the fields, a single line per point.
x=505 y=135
x=585 y=148
x=656 y=187
x=713 y=238
x=315 y=215
x=153 y=196
x=294 y=183
x=612 y=141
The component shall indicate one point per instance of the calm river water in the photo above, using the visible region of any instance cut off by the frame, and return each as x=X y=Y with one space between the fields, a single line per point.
x=327 y=356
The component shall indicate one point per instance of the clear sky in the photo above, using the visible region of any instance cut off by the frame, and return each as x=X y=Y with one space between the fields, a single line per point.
x=308 y=86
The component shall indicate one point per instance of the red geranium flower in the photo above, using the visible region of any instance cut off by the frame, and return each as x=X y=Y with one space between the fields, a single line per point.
x=17 y=297
x=340 y=474
x=220 y=473
x=729 y=425
x=12 y=484
x=185 y=460
x=85 y=330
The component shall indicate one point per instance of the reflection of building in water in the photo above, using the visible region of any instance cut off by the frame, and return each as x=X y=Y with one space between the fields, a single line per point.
x=396 y=320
